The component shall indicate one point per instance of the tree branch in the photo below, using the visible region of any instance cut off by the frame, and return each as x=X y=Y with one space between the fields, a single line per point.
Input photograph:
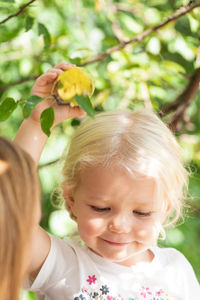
x=22 y=8
x=6 y=86
x=181 y=12
x=101 y=56
x=183 y=101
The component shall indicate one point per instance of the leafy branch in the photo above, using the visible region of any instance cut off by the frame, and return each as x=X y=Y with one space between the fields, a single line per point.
x=101 y=56
x=181 y=12
x=19 y=12
x=179 y=106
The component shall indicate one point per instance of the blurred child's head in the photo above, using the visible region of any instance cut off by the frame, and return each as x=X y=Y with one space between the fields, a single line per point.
x=19 y=211
x=137 y=141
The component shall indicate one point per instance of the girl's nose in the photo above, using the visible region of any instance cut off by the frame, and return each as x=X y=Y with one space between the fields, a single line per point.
x=119 y=224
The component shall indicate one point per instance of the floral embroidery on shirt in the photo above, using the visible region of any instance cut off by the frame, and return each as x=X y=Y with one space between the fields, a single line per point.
x=159 y=293
x=145 y=292
x=94 y=289
x=104 y=289
x=91 y=279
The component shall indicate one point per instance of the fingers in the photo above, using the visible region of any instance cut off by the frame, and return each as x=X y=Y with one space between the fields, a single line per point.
x=64 y=112
x=69 y=112
x=54 y=71
x=44 y=83
x=64 y=66
x=52 y=74
x=46 y=78
x=76 y=112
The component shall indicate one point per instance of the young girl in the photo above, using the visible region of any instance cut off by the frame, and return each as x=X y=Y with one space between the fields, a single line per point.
x=123 y=181
x=19 y=214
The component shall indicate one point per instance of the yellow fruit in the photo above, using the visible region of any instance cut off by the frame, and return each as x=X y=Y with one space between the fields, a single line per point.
x=73 y=82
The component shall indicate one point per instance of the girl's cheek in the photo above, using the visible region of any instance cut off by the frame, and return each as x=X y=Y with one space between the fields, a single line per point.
x=148 y=231
x=91 y=225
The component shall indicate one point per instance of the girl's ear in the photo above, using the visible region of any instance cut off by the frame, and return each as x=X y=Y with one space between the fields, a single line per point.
x=68 y=198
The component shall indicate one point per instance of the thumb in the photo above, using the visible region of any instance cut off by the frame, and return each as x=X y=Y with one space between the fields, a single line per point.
x=64 y=112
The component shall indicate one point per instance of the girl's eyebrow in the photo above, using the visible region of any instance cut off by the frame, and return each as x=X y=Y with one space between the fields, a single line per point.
x=100 y=198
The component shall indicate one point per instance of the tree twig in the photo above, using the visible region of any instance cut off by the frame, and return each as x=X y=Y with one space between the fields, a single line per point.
x=181 y=12
x=182 y=102
x=6 y=86
x=20 y=11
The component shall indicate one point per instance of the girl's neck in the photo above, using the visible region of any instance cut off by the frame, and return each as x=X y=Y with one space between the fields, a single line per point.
x=145 y=257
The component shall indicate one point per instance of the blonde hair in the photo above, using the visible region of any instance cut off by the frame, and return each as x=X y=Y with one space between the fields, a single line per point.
x=137 y=141
x=19 y=191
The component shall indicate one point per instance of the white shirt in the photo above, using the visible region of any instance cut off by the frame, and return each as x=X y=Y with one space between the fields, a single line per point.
x=73 y=272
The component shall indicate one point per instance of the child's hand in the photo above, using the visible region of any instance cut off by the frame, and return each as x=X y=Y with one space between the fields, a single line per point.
x=30 y=136
x=44 y=83
x=61 y=112
x=42 y=88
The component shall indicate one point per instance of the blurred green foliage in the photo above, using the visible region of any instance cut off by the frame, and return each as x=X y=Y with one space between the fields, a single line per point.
x=151 y=72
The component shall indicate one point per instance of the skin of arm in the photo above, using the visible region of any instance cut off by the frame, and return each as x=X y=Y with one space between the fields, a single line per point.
x=31 y=138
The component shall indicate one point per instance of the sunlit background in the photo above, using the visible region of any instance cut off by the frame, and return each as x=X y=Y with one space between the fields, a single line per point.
x=150 y=73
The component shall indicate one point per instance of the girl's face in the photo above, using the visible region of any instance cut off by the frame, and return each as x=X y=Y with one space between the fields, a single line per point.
x=118 y=216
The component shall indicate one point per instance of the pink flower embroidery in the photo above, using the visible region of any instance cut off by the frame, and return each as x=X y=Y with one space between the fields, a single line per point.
x=91 y=279
x=159 y=293
x=109 y=297
x=145 y=292
x=84 y=289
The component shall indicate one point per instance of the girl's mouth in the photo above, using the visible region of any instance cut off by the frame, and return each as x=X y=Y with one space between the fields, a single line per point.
x=116 y=243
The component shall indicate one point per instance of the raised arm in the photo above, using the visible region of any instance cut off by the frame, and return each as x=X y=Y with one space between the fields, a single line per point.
x=30 y=136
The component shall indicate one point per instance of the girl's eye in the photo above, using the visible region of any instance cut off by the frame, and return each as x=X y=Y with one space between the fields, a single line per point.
x=142 y=214
x=100 y=209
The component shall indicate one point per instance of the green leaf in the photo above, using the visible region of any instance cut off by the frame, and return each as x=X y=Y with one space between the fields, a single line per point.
x=60 y=85
x=183 y=26
x=29 y=23
x=6 y=6
x=42 y=30
x=30 y=104
x=46 y=120
x=6 y=108
x=75 y=122
x=85 y=104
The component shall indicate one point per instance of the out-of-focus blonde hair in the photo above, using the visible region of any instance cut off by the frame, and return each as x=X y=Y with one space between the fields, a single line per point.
x=138 y=141
x=19 y=191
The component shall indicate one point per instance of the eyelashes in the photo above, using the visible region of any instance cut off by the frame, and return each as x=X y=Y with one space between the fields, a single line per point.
x=143 y=214
x=100 y=209
x=107 y=209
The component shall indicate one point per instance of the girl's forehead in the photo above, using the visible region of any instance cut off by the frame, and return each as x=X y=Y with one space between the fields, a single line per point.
x=115 y=181
x=103 y=173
